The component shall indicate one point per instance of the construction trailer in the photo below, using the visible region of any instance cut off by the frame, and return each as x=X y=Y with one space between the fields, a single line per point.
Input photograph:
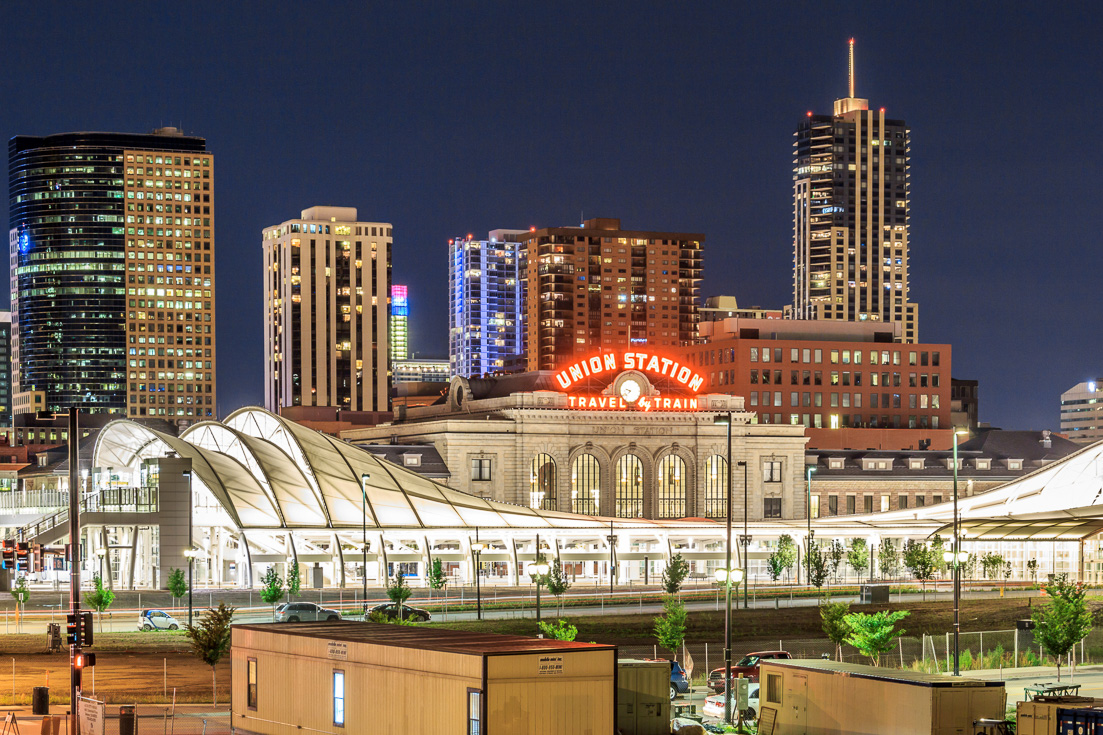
x=817 y=697
x=643 y=697
x=351 y=677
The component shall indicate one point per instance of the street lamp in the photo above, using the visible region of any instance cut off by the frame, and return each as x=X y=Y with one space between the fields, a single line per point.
x=190 y=554
x=956 y=555
x=100 y=553
x=746 y=538
x=477 y=549
x=808 y=506
x=364 y=527
x=541 y=569
x=727 y=576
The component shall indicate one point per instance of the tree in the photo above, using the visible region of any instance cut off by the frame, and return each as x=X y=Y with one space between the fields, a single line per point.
x=937 y=548
x=969 y=568
x=888 y=557
x=816 y=564
x=858 y=556
x=100 y=598
x=873 y=634
x=436 y=578
x=1032 y=569
x=1064 y=620
x=210 y=639
x=836 y=554
x=399 y=592
x=919 y=560
x=557 y=583
x=560 y=630
x=271 y=589
x=832 y=618
x=20 y=592
x=670 y=627
x=294 y=580
x=675 y=574
x=177 y=583
x=787 y=548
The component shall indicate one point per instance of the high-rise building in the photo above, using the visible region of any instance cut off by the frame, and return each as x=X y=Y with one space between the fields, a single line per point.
x=326 y=293
x=1082 y=412
x=600 y=287
x=486 y=303
x=5 y=369
x=400 y=327
x=850 y=216
x=112 y=273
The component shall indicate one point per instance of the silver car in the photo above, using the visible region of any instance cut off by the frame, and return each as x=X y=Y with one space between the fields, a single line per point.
x=294 y=612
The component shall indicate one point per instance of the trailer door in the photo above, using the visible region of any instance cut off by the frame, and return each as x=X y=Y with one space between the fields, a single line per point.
x=797 y=698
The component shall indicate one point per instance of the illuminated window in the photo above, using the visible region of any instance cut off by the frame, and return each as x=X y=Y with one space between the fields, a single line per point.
x=542 y=483
x=672 y=487
x=629 y=482
x=716 y=487
x=251 y=685
x=586 y=485
x=339 y=698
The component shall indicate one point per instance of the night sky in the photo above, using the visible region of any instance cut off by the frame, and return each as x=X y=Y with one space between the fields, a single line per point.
x=450 y=118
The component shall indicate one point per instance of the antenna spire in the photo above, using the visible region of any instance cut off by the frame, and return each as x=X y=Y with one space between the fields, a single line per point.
x=851 y=67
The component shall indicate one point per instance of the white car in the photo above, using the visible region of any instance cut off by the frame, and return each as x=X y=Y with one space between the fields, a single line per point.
x=714 y=705
x=157 y=620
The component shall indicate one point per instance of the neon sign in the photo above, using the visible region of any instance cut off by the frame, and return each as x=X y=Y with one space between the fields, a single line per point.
x=608 y=362
x=645 y=403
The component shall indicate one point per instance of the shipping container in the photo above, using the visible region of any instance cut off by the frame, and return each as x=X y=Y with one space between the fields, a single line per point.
x=817 y=697
x=1039 y=715
x=1079 y=721
x=643 y=697
x=351 y=677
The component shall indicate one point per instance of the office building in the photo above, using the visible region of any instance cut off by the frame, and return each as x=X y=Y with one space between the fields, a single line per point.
x=1082 y=412
x=400 y=323
x=5 y=369
x=964 y=409
x=326 y=293
x=416 y=370
x=600 y=287
x=717 y=308
x=850 y=216
x=486 y=303
x=112 y=274
x=849 y=384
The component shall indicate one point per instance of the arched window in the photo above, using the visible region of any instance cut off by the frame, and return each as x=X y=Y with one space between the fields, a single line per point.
x=672 y=487
x=586 y=485
x=716 y=487
x=542 y=482
x=629 y=479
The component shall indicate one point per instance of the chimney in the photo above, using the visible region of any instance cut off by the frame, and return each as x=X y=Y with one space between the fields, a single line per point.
x=1047 y=440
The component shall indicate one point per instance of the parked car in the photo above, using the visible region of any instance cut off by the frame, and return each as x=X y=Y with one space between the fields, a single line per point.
x=389 y=610
x=714 y=705
x=748 y=666
x=679 y=682
x=157 y=620
x=294 y=612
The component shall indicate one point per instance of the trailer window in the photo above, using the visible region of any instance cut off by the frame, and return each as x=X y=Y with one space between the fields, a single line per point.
x=474 y=712
x=773 y=688
x=339 y=698
x=251 y=684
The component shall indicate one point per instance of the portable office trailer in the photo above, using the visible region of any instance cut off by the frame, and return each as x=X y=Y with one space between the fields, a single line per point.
x=1038 y=716
x=348 y=677
x=643 y=697
x=816 y=697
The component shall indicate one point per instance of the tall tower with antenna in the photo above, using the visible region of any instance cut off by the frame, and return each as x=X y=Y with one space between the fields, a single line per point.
x=851 y=205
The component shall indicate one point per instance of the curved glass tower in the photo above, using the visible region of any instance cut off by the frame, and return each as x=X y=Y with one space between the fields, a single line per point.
x=71 y=256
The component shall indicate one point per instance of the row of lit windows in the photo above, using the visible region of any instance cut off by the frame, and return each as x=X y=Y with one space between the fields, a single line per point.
x=844 y=421
x=815 y=377
x=915 y=400
x=167 y=160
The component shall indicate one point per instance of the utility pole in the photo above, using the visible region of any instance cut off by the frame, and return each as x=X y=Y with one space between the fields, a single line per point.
x=74 y=562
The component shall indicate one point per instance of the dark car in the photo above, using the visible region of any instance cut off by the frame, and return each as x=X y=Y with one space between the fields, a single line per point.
x=389 y=610
x=747 y=666
x=679 y=683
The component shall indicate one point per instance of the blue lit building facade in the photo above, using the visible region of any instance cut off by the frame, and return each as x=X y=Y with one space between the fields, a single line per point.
x=486 y=304
x=70 y=268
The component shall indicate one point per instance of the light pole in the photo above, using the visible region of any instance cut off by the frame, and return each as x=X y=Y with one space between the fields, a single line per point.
x=190 y=554
x=541 y=570
x=477 y=550
x=746 y=539
x=364 y=528
x=727 y=576
x=100 y=553
x=957 y=556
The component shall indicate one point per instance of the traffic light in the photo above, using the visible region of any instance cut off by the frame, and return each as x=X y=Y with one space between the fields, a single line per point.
x=7 y=561
x=84 y=660
x=86 y=628
x=22 y=556
x=72 y=629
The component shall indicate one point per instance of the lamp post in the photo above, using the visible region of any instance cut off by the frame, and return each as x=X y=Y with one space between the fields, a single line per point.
x=100 y=553
x=957 y=557
x=808 y=503
x=541 y=570
x=364 y=530
x=746 y=539
x=190 y=554
x=477 y=549
x=727 y=576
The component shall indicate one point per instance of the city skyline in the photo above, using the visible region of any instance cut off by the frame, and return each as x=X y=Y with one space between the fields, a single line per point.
x=696 y=160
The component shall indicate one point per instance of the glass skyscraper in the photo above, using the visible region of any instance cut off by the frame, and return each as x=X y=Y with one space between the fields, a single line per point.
x=98 y=221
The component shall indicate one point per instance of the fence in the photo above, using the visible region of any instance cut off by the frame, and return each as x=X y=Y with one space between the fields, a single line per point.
x=151 y=720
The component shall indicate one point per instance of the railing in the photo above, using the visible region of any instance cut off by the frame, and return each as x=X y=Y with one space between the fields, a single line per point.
x=33 y=501
x=106 y=500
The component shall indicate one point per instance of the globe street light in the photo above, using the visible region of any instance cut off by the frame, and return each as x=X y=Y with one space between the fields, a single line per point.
x=190 y=555
x=727 y=577
x=957 y=559
x=541 y=569
x=477 y=549
x=808 y=506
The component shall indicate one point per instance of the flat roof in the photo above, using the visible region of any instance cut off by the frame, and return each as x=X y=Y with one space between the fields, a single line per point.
x=902 y=676
x=433 y=639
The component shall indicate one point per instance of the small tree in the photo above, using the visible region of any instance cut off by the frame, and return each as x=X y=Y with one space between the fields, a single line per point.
x=294 y=581
x=873 y=634
x=888 y=557
x=832 y=618
x=1032 y=569
x=858 y=556
x=787 y=549
x=560 y=630
x=271 y=587
x=399 y=592
x=557 y=584
x=670 y=627
x=775 y=565
x=836 y=554
x=969 y=568
x=177 y=583
x=675 y=574
x=20 y=592
x=210 y=639
x=100 y=598
x=1064 y=620
x=436 y=577
x=919 y=560
x=936 y=550
x=816 y=565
